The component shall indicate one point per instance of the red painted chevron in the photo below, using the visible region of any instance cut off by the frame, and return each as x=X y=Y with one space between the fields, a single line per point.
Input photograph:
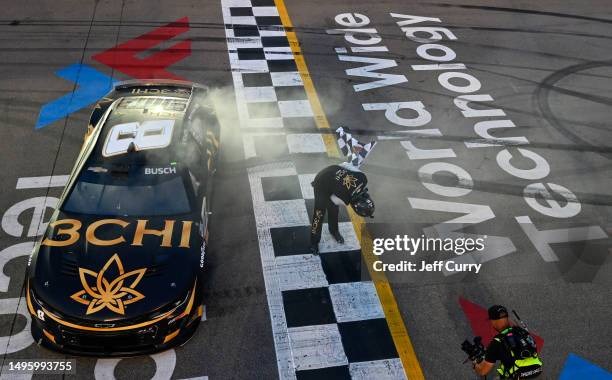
x=125 y=56
x=478 y=318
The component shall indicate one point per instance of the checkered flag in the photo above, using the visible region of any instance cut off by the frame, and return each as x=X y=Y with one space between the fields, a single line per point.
x=355 y=150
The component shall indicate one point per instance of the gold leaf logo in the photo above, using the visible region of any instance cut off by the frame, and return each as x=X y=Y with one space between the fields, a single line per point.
x=349 y=181
x=102 y=293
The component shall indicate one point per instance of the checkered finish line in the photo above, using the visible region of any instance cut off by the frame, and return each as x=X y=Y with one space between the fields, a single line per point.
x=327 y=322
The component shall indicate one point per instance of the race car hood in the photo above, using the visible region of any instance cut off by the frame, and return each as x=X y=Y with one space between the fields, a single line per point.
x=113 y=269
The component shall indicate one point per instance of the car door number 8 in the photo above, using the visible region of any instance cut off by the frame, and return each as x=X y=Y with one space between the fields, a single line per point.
x=151 y=134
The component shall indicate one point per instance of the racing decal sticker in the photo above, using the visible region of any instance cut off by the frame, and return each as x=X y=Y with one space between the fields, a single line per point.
x=71 y=228
x=150 y=134
x=111 y=294
x=160 y=171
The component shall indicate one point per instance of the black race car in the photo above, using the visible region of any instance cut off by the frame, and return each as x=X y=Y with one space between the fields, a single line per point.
x=118 y=270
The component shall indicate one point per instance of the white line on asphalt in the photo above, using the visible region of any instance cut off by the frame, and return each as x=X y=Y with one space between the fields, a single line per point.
x=42 y=182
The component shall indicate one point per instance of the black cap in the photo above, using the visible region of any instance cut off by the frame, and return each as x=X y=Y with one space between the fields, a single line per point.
x=497 y=312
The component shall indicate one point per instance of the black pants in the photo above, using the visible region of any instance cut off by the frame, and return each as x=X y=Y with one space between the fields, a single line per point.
x=322 y=204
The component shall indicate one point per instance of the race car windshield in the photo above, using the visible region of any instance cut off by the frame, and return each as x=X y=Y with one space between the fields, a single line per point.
x=129 y=191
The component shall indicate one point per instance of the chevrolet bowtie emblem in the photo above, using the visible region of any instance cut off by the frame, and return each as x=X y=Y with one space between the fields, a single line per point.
x=103 y=293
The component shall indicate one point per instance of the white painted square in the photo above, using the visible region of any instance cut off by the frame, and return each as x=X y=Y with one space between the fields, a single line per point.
x=243 y=20
x=289 y=78
x=272 y=31
x=229 y=34
x=305 y=185
x=279 y=52
x=249 y=65
x=235 y=3
x=259 y=94
x=300 y=272
x=305 y=143
x=355 y=301
x=234 y=43
x=268 y=122
x=248 y=143
x=387 y=369
x=286 y=213
x=265 y=11
x=316 y=347
x=295 y=108
x=329 y=244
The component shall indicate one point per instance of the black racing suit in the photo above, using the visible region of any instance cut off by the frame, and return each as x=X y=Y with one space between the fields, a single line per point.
x=338 y=181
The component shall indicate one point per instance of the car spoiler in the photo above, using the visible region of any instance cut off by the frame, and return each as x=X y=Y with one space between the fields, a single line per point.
x=155 y=82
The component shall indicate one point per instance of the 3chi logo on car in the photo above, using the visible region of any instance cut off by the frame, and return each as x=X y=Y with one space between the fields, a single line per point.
x=109 y=294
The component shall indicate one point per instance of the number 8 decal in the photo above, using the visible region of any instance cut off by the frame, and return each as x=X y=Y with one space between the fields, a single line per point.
x=151 y=134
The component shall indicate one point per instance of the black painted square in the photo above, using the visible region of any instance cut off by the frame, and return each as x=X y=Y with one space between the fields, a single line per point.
x=367 y=340
x=307 y=307
x=262 y=3
x=281 y=65
x=291 y=93
x=257 y=79
x=291 y=240
x=342 y=214
x=328 y=373
x=245 y=30
x=300 y=124
x=281 y=188
x=241 y=11
x=262 y=110
x=268 y=20
x=278 y=41
x=245 y=54
x=344 y=266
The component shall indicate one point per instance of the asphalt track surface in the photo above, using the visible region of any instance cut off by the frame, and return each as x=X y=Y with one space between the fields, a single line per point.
x=547 y=65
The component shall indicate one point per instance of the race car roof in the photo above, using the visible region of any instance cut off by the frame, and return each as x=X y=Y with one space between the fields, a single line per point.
x=141 y=130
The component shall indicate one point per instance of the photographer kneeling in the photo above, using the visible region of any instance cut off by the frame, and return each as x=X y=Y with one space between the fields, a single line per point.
x=513 y=347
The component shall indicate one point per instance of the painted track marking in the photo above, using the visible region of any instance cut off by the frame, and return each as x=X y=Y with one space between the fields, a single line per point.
x=394 y=318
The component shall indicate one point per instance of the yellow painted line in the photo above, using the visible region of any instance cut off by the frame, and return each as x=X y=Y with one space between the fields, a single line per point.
x=315 y=104
x=394 y=319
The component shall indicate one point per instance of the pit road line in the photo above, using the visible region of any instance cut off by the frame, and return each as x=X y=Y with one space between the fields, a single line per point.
x=393 y=316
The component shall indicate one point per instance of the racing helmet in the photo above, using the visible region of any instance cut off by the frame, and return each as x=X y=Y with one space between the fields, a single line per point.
x=363 y=204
